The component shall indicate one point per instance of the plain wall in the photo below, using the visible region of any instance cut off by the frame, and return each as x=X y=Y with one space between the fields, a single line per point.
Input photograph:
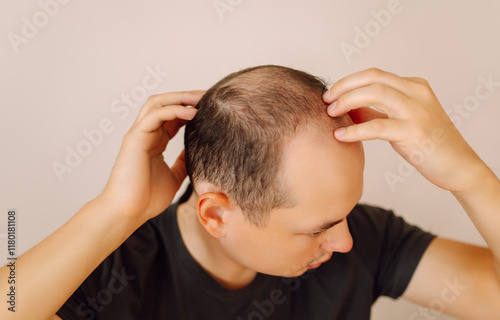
x=68 y=73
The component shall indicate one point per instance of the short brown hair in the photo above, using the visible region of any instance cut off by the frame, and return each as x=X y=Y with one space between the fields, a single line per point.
x=237 y=138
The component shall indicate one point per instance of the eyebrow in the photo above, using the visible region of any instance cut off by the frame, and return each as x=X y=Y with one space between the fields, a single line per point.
x=326 y=225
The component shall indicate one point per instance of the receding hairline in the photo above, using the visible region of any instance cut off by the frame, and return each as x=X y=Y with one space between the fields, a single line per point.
x=253 y=78
x=255 y=75
x=267 y=85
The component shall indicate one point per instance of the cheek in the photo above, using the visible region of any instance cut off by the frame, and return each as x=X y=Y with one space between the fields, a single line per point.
x=271 y=254
x=298 y=252
x=245 y=245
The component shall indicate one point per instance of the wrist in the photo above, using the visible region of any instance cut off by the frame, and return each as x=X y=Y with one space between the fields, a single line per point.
x=480 y=180
x=110 y=210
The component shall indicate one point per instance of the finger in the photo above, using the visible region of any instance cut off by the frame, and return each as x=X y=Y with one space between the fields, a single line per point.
x=385 y=98
x=365 y=78
x=185 y=98
x=172 y=127
x=385 y=129
x=366 y=114
x=179 y=168
x=155 y=118
x=417 y=80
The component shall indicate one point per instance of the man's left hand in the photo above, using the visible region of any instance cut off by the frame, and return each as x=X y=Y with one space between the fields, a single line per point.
x=407 y=113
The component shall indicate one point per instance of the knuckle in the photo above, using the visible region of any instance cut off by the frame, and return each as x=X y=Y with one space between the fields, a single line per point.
x=338 y=85
x=379 y=89
x=377 y=126
x=127 y=137
x=422 y=86
x=155 y=113
x=421 y=81
x=374 y=71
x=425 y=91
x=152 y=99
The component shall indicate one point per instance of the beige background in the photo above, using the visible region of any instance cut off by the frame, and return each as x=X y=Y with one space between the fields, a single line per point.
x=66 y=74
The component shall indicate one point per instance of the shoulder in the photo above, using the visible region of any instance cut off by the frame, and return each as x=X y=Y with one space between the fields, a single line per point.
x=147 y=244
x=128 y=272
x=384 y=240
x=370 y=220
x=367 y=211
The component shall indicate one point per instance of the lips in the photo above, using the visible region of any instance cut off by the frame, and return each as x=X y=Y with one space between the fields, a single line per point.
x=316 y=265
x=313 y=266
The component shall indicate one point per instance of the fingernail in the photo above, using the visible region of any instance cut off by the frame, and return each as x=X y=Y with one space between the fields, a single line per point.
x=326 y=95
x=332 y=107
x=340 y=132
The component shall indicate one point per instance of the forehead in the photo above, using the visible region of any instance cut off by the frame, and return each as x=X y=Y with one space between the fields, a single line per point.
x=324 y=175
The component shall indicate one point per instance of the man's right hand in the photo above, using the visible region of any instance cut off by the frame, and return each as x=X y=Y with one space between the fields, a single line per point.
x=141 y=184
x=140 y=187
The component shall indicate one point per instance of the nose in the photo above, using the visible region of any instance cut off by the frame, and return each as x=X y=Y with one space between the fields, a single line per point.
x=338 y=239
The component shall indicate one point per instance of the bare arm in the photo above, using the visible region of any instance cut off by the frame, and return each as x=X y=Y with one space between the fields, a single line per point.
x=481 y=200
x=140 y=187
x=52 y=270
x=414 y=122
x=460 y=279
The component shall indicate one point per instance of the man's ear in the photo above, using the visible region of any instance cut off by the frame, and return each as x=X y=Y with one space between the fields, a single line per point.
x=211 y=208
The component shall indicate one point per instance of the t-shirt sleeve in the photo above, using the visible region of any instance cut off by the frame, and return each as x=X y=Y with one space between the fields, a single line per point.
x=390 y=247
x=114 y=286
x=74 y=308
x=101 y=291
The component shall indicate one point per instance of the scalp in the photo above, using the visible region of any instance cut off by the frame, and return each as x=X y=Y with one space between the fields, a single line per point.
x=237 y=138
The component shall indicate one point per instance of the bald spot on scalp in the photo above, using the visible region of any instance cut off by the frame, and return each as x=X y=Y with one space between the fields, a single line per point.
x=236 y=141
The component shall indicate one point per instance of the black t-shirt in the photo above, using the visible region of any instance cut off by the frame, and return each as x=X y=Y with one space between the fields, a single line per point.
x=153 y=276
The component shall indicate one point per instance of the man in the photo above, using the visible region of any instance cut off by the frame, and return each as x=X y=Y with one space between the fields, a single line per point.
x=271 y=228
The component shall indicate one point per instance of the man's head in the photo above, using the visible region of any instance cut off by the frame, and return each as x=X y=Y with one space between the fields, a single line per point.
x=262 y=156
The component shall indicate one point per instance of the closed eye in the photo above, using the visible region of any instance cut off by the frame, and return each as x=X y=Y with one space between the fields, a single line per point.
x=325 y=228
x=317 y=234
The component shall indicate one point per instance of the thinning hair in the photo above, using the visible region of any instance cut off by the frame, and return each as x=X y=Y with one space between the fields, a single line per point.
x=236 y=140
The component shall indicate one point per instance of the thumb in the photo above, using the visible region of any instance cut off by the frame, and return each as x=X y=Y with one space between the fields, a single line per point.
x=179 y=168
x=366 y=114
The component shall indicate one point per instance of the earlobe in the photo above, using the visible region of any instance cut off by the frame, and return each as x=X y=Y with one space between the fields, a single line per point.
x=211 y=209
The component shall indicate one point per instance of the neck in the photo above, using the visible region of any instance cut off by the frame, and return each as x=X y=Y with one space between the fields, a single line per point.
x=208 y=251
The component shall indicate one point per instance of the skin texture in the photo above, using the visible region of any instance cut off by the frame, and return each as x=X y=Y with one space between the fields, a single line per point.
x=142 y=185
x=409 y=116
x=314 y=171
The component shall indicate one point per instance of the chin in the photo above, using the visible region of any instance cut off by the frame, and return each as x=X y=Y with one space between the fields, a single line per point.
x=284 y=274
x=295 y=274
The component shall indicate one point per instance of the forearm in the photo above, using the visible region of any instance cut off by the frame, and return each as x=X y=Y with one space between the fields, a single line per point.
x=52 y=270
x=481 y=201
